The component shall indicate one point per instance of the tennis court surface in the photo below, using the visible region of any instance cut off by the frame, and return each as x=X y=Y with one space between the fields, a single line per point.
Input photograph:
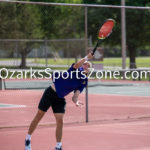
x=119 y=119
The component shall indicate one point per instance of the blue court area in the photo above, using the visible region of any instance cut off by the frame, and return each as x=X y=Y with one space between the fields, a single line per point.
x=130 y=89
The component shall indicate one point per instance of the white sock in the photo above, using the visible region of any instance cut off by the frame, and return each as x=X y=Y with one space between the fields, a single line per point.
x=58 y=144
x=28 y=137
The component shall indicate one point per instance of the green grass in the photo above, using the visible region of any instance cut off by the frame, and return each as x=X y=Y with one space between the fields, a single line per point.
x=7 y=59
x=16 y=67
x=63 y=61
x=14 y=59
x=140 y=61
x=119 y=60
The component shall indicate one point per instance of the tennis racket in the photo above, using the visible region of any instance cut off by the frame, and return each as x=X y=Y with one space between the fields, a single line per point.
x=104 y=31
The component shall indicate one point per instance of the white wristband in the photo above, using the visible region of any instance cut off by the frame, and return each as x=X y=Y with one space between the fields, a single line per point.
x=86 y=58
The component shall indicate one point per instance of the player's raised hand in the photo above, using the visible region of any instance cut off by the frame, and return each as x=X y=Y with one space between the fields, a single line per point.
x=90 y=56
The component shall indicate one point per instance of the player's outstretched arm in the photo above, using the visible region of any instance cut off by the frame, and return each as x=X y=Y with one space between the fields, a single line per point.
x=75 y=98
x=81 y=61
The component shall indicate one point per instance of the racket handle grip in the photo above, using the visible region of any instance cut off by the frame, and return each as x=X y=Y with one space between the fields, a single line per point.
x=93 y=51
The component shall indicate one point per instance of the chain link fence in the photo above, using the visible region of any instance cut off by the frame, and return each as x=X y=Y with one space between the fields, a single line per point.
x=44 y=30
x=41 y=53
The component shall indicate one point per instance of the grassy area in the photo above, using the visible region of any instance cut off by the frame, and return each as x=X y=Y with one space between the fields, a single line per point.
x=14 y=59
x=140 y=61
x=7 y=59
x=60 y=61
x=16 y=67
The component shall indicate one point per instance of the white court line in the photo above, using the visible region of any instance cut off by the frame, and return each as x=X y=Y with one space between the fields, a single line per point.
x=117 y=95
x=11 y=106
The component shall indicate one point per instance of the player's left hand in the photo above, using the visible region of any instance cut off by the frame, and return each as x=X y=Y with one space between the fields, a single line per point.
x=79 y=104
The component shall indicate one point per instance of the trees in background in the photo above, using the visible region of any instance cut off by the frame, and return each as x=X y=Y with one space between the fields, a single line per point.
x=18 y=21
x=28 y=27
x=23 y=21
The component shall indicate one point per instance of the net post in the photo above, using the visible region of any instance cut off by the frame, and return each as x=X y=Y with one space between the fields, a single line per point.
x=86 y=45
x=87 y=111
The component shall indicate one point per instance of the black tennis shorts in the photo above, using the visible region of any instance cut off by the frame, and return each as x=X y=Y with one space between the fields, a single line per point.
x=50 y=98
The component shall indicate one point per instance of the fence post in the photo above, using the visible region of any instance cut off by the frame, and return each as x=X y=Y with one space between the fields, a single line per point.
x=46 y=60
x=68 y=55
x=0 y=83
x=123 y=36
x=16 y=50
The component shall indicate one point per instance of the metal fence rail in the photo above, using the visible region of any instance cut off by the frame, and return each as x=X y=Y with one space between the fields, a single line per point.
x=78 y=5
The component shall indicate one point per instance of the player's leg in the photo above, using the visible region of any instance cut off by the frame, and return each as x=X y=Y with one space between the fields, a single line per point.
x=44 y=105
x=59 y=126
x=32 y=127
x=39 y=115
x=59 y=110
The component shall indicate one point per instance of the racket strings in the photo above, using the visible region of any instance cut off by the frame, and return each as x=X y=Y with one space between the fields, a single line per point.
x=106 y=29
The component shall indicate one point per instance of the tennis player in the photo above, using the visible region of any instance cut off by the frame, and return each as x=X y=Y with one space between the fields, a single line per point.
x=75 y=80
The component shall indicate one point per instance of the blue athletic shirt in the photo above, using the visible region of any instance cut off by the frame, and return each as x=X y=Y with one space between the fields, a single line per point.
x=72 y=82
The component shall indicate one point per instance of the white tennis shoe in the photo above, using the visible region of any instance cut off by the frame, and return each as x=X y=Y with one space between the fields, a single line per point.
x=28 y=145
x=58 y=148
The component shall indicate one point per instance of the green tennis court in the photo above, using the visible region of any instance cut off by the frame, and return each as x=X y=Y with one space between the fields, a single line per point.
x=128 y=89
